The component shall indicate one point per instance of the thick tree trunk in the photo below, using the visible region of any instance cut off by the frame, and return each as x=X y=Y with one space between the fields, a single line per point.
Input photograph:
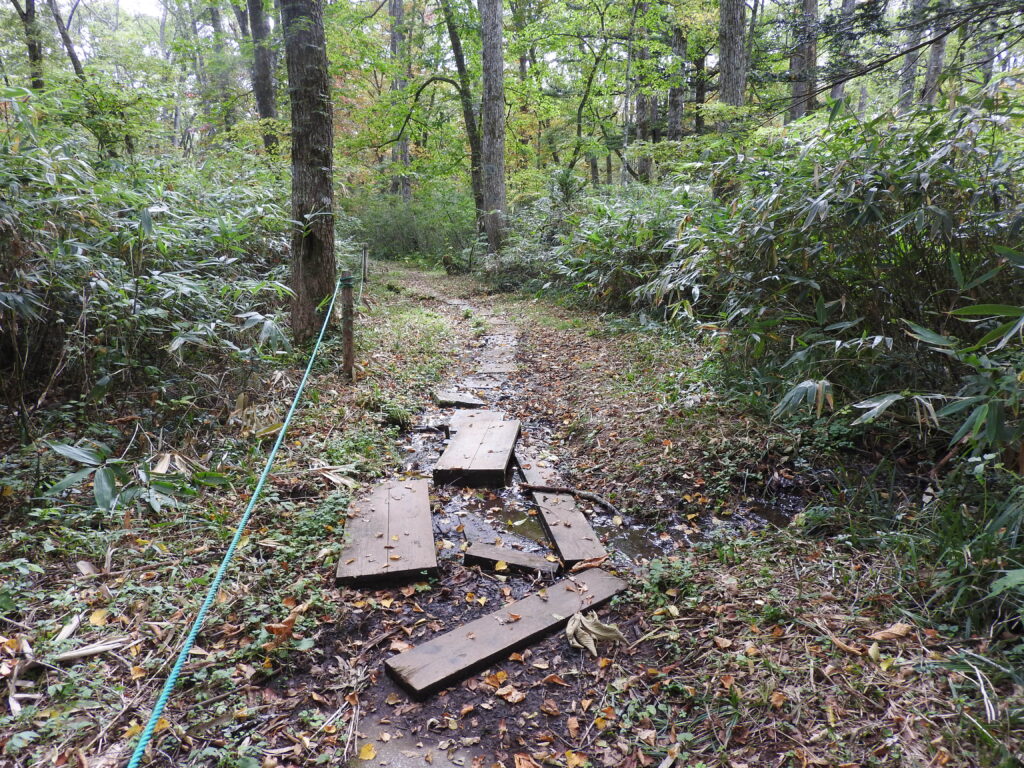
x=803 y=64
x=313 y=261
x=492 y=118
x=65 y=38
x=400 y=149
x=468 y=112
x=908 y=72
x=677 y=90
x=843 y=36
x=33 y=42
x=732 y=57
x=263 y=64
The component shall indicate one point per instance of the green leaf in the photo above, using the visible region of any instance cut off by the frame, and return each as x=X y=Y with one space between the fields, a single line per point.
x=878 y=406
x=1010 y=580
x=76 y=453
x=929 y=337
x=71 y=480
x=989 y=310
x=104 y=488
x=1014 y=257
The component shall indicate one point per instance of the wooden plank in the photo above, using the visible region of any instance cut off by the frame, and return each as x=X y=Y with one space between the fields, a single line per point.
x=462 y=419
x=489 y=555
x=567 y=527
x=460 y=652
x=389 y=534
x=490 y=369
x=449 y=397
x=479 y=455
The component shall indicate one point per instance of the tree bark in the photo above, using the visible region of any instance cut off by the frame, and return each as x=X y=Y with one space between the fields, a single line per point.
x=803 y=64
x=33 y=42
x=908 y=72
x=313 y=261
x=700 y=91
x=732 y=58
x=400 y=149
x=492 y=118
x=844 y=35
x=468 y=112
x=263 y=64
x=65 y=38
x=936 y=63
x=677 y=90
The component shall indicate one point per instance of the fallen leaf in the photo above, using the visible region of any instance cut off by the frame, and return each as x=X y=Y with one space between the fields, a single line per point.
x=893 y=632
x=510 y=694
x=723 y=642
x=550 y=707
x=98 y=618
x=367 y=751
x=778 y=698
x=554 y=679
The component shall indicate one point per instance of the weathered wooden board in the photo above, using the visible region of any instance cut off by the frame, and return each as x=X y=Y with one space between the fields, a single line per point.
x=489 y=555
x=566 y=525
x=481 y=382
x=450 y=397
x=496 y=368
x=460 y=652
x=479 y=455
x=462 y=419
x=388 y=535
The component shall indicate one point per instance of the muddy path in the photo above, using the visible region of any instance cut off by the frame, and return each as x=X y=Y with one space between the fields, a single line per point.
x=549 y=700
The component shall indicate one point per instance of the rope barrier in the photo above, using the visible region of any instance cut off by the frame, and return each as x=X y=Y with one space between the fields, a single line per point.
x=172 y=678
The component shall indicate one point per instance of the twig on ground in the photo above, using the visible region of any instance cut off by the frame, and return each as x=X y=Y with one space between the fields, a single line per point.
x=592 y=497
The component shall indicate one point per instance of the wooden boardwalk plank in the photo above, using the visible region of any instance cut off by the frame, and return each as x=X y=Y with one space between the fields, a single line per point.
x=473 y=646
x=450 y=397
x=489 y=555
x=567 y=527
x=462 y=419
x=389 y=534
x=479 y=455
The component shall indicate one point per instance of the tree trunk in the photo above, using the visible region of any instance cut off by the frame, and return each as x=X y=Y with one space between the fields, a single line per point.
x=677 y=90
x=700 y=92
x=803 y=64
x=492 y=118
x=732 y=58
x=313 y=261
x=844 y=35
x=468 y=112
x=263 y=64
x=65 y=38
x=936 y=63
x=908 y=72
x=400 y=149
x=33 y=42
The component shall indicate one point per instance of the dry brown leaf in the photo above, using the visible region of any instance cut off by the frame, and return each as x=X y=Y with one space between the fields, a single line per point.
x=893 y=632
x=778 y=698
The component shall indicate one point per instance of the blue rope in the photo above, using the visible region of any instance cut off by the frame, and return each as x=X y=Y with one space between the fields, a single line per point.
x=172 y=679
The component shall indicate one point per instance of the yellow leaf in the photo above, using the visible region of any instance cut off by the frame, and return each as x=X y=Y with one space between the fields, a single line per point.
x=501 y=565
x=161 y=725
x=386 y=602
x=367 y=751
x=138 y=673
x=132 y=730
x=98 y=618
x=874 y=652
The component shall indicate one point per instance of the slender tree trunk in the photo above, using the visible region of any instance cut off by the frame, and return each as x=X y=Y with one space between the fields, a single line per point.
x=844 y=35
x=700 y=91
x=732 y=58
x=803 y=64
x=65 y=38
x=313 y=261
x=936 y=63
x=677 y=90
x=263 y=65
x=468 y=112
x=492 y=119
x=608 y=177
x=400 y=149
x=33 y=42
x=908 y=72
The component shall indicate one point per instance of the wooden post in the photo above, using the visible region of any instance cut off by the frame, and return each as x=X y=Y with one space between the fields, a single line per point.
x=347 y=326
x=366 y=263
